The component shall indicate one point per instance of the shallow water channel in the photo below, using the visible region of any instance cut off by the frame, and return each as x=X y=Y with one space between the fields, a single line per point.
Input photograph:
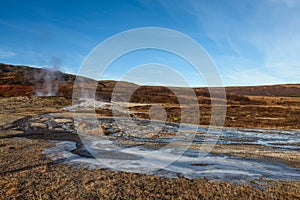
x=171 y=155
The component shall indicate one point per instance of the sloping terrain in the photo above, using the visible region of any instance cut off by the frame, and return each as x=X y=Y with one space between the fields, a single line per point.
x=275 y=106
x=16 y=78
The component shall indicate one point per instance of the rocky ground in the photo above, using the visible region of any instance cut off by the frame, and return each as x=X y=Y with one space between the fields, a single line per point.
x=26 y=173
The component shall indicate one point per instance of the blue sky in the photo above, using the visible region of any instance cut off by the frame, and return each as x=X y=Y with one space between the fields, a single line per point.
x=252 y=42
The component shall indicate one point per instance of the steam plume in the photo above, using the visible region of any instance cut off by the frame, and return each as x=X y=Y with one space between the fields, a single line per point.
x=47 y=79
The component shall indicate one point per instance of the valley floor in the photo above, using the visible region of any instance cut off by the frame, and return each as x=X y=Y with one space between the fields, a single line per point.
x=27 y=173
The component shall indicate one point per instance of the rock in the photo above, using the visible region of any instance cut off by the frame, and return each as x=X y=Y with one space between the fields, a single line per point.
x=38 y=125
x=63 y=120
x=59 y=129
x=43 y=119
x=95 y=131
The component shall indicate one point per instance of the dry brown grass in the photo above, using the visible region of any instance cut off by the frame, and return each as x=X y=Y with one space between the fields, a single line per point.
x=27 y=174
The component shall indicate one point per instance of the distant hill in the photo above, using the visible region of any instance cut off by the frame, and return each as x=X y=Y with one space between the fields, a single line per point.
x=283 y=90
x=24 y=80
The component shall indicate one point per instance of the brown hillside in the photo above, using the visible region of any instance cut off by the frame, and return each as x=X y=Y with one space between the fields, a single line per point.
x=23 y=80
x=252 y=106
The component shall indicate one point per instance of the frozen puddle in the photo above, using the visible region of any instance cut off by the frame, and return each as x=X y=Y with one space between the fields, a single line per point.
x=171 y=162
x=281 y=139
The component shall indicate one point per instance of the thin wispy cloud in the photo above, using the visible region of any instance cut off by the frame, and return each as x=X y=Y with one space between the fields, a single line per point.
x=261 y=37
x=289 y=3
x=6 y=54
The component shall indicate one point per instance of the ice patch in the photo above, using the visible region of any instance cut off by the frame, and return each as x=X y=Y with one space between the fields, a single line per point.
x=142 y=160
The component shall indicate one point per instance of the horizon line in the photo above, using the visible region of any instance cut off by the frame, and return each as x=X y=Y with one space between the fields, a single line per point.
x=132 y=82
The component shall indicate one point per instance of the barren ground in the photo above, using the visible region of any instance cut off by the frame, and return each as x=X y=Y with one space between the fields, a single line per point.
x=26 y=173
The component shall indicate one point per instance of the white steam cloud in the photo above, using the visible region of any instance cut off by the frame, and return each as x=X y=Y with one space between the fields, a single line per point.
x=47 y=79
